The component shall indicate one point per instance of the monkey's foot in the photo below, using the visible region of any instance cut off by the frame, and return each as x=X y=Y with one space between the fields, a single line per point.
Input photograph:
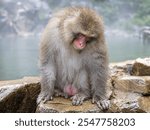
x=66 y=95
x=44 y=97
x=78 y=99
x=58 y=93
x=102 y=104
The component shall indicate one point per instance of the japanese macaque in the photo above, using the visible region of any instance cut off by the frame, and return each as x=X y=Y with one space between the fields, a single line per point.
x=73 y=57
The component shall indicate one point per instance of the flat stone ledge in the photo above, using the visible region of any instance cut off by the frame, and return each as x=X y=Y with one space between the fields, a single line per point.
x=138 y=84
x=62 y=105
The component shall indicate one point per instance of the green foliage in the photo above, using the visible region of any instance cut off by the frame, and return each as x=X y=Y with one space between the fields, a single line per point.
x=142 y=21
x=125 y=13
x=142 y=17
x=128 y=12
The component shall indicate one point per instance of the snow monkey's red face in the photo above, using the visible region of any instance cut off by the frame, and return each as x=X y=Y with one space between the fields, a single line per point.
x=80 y=41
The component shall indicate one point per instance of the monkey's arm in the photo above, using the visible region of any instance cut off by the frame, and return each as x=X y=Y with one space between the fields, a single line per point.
x=98 y=77
x=48 y=72
x=47 y=83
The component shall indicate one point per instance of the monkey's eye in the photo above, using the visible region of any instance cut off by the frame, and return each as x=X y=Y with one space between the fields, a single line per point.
x=91 y=39
x=75 y=35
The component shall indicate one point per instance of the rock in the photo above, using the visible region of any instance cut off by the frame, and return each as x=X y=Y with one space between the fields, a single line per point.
x=133 y=84
x=128 y=102
x=65 y=105
x=62 y=105
x=19 y=95
x=128 y=90
x=141 y=67
x=120 y=69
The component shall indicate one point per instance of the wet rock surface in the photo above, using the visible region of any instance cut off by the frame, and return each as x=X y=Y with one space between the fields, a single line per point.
x=127 y=93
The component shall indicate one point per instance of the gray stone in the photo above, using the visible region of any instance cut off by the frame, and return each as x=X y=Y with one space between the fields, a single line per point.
x=138 y=84
x=141 y=67
x=128 y=102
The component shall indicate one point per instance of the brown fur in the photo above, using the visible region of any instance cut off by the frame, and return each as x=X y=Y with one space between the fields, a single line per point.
x=61 y=64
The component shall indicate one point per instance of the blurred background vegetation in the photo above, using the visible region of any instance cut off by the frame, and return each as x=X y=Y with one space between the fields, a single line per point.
x=18 y=16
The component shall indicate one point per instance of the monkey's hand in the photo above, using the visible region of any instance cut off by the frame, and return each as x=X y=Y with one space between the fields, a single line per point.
x=103 y=104
x=44 y=96
x=78 y=99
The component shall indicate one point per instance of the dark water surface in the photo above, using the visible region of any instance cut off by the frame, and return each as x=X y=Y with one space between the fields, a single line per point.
x=19 y=55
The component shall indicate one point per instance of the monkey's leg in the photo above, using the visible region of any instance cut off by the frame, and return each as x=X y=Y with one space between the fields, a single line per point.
x=103 y=104
x=83 y=92
x=58 y=93
x=47 y=84
x=78 y=99
x=98 y=82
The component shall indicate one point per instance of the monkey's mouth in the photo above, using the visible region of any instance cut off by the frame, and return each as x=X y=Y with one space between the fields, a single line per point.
x=80 y=41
